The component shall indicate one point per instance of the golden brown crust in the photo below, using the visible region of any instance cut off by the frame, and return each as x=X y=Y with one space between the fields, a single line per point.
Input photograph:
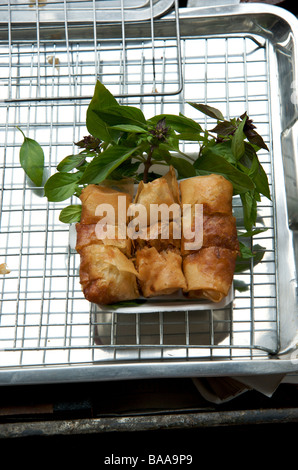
x=218 y=230
x=160 y=236
x=163 y=190
x=87 y=235
x=107 y=275
x=159 y=273
x=104 y=292
x=4 y=269
x=171 y=179
x=93 y=195
x=162 y=265
x=209 y=272
x=213 y=191
x=210 y=269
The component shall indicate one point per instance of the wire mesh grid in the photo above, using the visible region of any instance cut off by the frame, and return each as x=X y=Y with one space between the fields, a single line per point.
x=44 y=318
x=65 y=68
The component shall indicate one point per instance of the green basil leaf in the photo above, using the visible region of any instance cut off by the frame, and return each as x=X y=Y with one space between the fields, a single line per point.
x=97 y=127
x=127 y=169
x=70 y=162
x=102 y=98
x=115 y=115
x=191 y=136
x=102 y=165
x=245 y=251
x=161 y=153
x=71 y=214
x=249 y=205
x=244 y=264
x=127 y=303
x=32 y=160
x=256 y=171
x=238 y=146
x=129 y=128
x=261 y=182
x=191 y=123
x=251 y=233
x=172 y=143
x=208 y=110
x=178 y=123
x=164 y=148
x=184 y=168
x=207 y=164
x=61 y=186
x=250 y=161
x=222 y=149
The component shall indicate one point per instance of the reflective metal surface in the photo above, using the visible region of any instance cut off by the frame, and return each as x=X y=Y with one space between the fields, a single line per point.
x=236 y=58
x=74 y=11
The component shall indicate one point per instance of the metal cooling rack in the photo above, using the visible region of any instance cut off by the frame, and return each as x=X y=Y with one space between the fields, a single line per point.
x=76 y=11
x=44 y=320
x=64 y=68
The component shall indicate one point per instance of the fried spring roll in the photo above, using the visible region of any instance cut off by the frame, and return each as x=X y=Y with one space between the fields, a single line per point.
x=161 y=191
x=159 y=273
x=209 y=269
x=160 y=236
x=217 y=230
x=157 y=245
x=93 y=196
x=209 y=273
x=213 y=191
x=107 y=275
x=87 y=235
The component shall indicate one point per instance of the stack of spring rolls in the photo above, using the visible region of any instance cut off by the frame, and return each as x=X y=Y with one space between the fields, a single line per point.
x=156 y=260
x=157 y=251
x=107 y=272
x=209 y=270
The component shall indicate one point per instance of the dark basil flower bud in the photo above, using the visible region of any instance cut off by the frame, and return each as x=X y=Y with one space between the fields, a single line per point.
x=161 y=131
x=89 y=143
x=248 y=126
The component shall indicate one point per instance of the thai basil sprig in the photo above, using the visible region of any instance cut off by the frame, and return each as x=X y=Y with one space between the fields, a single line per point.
x=123 y=143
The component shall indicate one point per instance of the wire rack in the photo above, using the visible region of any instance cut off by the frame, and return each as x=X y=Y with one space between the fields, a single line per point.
x=45 y=83
x=65 y=68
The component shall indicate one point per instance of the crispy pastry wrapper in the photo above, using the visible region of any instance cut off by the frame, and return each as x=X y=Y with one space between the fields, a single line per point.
x=159 y=273
x=4 y=269
x=88 y=235
x=92 y=196
x=161 y=236
x=216 y=230
x=161 y=191
x=107 y=275
x=162 y=264
x=213 y=191
x=209 y=273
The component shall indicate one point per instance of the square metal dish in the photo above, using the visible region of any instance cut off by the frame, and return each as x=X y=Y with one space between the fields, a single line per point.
x=72 y=11
x=237 y=58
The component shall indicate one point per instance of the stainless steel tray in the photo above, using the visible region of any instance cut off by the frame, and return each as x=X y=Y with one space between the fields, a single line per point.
x=237 y=58
x=72 y=11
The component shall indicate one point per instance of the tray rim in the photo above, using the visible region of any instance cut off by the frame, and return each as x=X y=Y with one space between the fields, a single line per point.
x=144 y=370
x=186 y=368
